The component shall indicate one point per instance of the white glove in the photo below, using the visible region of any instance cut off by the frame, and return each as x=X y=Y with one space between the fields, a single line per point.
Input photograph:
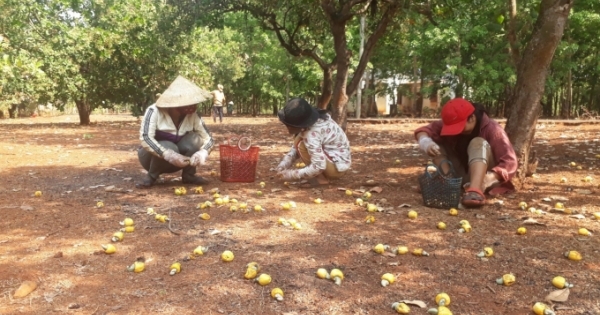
x=428 y=146
x=288 y=174
x=176 y=158
x=285 y=163
x=199 y=158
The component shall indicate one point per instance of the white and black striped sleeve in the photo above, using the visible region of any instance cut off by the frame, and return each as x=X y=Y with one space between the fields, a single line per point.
x=148 y=131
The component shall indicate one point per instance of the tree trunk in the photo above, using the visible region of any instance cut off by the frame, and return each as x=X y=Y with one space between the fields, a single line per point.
x=83 y=109
x=531 y=79
x=12 y=111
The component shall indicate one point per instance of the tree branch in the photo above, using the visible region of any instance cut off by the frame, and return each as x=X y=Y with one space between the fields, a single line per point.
x=512 y=34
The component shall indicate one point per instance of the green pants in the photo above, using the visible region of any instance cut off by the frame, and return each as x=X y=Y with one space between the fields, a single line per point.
x=188 y=145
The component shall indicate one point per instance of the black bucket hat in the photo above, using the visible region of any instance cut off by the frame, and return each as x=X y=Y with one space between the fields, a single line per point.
x=298 y=113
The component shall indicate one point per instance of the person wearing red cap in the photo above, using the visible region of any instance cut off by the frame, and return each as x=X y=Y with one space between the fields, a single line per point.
x=476 y=145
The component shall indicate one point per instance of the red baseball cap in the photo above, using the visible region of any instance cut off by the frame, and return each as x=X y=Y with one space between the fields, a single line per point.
x=454 y=116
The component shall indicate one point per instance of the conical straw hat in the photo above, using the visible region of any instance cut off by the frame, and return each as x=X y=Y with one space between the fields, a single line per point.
x=182 y=92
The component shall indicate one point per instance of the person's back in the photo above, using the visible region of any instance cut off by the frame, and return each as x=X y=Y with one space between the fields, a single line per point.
x=218 y=101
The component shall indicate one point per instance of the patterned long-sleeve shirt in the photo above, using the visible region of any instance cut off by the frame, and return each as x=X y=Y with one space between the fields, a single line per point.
x=324 y=140
x=157 y=125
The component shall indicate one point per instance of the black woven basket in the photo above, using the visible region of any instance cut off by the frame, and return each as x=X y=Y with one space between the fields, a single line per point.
x=440 y=190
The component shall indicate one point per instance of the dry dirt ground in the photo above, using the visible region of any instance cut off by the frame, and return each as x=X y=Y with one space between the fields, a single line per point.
x=55 y=240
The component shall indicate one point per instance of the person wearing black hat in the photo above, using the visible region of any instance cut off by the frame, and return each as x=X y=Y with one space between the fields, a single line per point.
x=318 y=141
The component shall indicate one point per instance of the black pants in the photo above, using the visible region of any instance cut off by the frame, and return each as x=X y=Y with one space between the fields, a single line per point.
x=188 y=145
x=218 y=110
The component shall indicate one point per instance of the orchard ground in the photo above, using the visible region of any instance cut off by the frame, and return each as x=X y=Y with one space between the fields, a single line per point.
x=55 y=240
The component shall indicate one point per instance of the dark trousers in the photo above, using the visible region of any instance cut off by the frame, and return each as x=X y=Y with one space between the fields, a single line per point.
x=188 y=145
x=218 y=111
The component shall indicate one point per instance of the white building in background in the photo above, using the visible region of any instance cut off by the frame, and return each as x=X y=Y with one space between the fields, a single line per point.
x=404 y=102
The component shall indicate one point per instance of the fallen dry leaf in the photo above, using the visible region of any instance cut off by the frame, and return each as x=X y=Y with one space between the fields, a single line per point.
x=578 y=216
x=25 y=288
x=418 y=303
x=531 y=221
x=376 y=189
x=404 y=205
x=558 y=295
x=370 y=182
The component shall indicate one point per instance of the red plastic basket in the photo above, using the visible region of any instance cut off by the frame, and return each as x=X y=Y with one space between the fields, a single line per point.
x=238 y=162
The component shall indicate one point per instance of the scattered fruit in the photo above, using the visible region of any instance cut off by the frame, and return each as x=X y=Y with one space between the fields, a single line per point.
x=118 y=236
x=507 y=280
x=453 y=212
x=252 y=270
x=401 y=308
x=465 y=226
x=318 y=201
x=37 y=193
x=380 y=248
x=372 y=208
x=175 y=268
x=263 y=279
x=572 y=164
x=412 y=214
x=99 y=204
x=283 y=221
x=127 y=222
x=277 y=294
x=401 y=250
x=442 y=299
x=563 y=180
x=369 y=219
x=387 y=279
x=233 y=208
x=359 y=202
x=523 y=205
x=137 y=267
x=199 y=190
x=419 y=252
x=441 y=225
x=486 y=252
x=597 y=215
x=219 y=201
x=150 y=211
x=584 y=232
x=337 y=276
x=561 y=282
x=367 y=195
x=161 y=218
x=573 y=255
x=109 y=248
x=348 y=192
x=259 y=193
x=588 y=179
x=322 y=273
x=200 y=250
x=213 y=173
x=559 y=205
x=243 y=206
x=286 y=206
x=128 y=229
x=297 y=226
x=262 y=184
x=441 y=310
x=227 y=256
x=204 y=216
x=258 y=208
x=540 y=308
x=521 y=231
x=397 y=162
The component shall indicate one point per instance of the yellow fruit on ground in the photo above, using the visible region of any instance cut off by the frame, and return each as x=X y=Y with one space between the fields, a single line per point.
x=337 y=276
x=359 y=202
x=561 y=282
x=128 y=222
x=453 y=212
x=588 y=179
x=441 y=225
x=259 y=193
x=540 y=308
x=263 y=279
x=318 y=201
x=243 y=206
x=367 y=195
x=109 y=248
x=258 y=208
x=204 y=216
x=441 y=310
x=523 y=205
x=37 y=193
x=262 y=184
x=200 y=250
x=118 y=236
x=387 y=279
x=369 y=219
x=372 y=208
x=597 y=215
x=277 y=294
x=128 y=229
x=584 y=232
x=572 y=164
x=199 y=190
x=219 y=201
x=348 y=192
x=252 y=270
x=559 y=205
x=573 y=255
x=442 y=299
x=380 y=248
x=507 y=279
x=99 y=204
x=486 y=252
x=233 y=208
x=401 y=308
x=137 y=267
x=175 y=268
x=322 y=273
x=521 y=231
x=227 y=256
x=412 y=214
x=419 y=252
x=401 y=250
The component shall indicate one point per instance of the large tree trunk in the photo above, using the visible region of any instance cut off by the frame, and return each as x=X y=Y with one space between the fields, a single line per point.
x=83 y=109
x=531 y=79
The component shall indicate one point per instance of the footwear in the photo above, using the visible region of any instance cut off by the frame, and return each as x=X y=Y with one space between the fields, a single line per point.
x=313 y=183
x=193 y=179
x=146 y=182
x=473 y=197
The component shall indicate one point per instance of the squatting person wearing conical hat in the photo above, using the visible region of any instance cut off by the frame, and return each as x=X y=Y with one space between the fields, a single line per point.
x=173 y=136
x=318 y=141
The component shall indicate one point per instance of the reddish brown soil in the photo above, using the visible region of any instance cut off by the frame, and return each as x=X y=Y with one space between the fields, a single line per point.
x=52 y=155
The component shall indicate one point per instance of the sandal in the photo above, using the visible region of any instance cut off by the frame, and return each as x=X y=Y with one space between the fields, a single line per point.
x=147 y=182
x=473 y=197
x=312 y=183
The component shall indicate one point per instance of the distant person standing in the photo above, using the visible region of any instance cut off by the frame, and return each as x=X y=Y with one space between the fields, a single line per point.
x=230 y=108
x=218 y=101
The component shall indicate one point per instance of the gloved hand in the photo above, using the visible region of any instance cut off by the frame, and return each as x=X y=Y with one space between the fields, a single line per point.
x=176 y=158
x=199 y=158
x=285 y=163
x=428 y=146
x=288 y=174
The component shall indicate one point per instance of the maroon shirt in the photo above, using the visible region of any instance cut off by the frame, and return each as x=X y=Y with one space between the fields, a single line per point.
x=494 y=134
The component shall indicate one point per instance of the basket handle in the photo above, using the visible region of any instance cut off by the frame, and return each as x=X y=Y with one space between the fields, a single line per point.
x=438 y=170
x=240 y=145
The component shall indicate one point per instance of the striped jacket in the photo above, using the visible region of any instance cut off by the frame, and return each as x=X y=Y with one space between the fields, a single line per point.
x=158 y=126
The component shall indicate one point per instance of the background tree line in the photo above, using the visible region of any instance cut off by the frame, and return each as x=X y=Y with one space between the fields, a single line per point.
x=121 y=53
